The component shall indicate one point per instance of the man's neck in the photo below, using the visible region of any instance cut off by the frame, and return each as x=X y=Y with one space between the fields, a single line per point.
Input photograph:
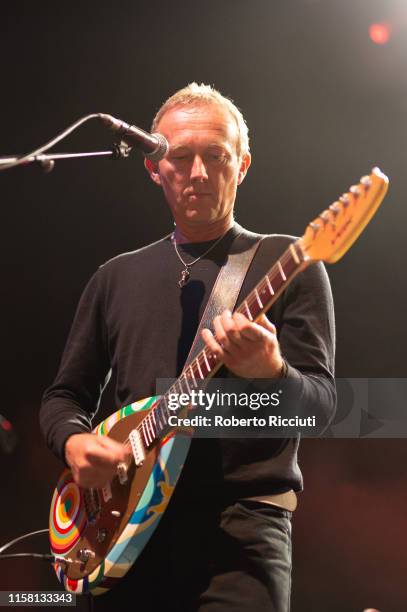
x=202 y=233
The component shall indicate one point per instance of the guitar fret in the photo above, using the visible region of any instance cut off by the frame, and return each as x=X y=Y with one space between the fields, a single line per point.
x=291 y=263
x=294 y=254
x=193 y=376
x=158 y=413
x=206 y=361
x=253 y=306
x=148 y=431
x=202 y=362
x=142 y=433
x=163 y=416
x=258 y=298
x=277 y=279
x=187 y=384
x=153 y=425
x=145 y=435
x=167 y=410
x=249 y=314
x=280 y=268
x=199 y=369
x=269 y=284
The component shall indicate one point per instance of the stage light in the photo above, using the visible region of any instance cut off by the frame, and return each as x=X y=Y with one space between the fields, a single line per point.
x=379 y=33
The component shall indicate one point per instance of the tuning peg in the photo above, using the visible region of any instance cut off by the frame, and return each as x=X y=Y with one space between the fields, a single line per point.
x=324 y=216
x=335 y=209
x=355 y=190
x=315 y=227
x=366 y=181
x=344 y=199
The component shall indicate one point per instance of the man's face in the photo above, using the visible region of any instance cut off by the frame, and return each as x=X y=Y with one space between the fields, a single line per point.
x=201 y=171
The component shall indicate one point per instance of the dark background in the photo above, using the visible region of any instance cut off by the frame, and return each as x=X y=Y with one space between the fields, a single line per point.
x=324 y=105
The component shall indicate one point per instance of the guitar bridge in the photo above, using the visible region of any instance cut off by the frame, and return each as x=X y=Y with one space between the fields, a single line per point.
x=137 y=447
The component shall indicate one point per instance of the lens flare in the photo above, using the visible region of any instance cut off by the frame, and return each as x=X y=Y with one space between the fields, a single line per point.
x=379 y=33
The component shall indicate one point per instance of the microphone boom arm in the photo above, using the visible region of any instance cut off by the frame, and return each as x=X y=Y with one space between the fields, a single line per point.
x=154 y=146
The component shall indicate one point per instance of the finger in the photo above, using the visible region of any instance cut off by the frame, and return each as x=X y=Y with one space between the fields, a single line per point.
x=231 y=331
x=90 y=475
x=117 y=449
x=264 y=322
x=103 y=461
x=255 y=332
x=211 y=343
x=247 y=329
x=106 y=453
x=227 y=334
x=220 y=333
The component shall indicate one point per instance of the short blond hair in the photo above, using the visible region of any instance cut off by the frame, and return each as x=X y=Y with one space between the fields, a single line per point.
x=206 y=94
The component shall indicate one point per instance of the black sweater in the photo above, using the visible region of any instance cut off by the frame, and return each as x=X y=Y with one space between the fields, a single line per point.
x=134 y=321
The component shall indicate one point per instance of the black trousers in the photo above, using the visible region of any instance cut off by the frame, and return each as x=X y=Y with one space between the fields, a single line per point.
x=209 y=556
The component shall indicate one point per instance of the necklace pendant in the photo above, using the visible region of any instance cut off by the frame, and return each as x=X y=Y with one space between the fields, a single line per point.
x=185 y=274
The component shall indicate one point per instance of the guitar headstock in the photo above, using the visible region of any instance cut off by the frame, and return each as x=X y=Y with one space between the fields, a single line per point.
x=333 y=232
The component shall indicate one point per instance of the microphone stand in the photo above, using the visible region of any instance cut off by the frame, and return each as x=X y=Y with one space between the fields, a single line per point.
x=47 y=162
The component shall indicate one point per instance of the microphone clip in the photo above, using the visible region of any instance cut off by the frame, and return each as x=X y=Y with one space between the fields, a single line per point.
x=121 y=150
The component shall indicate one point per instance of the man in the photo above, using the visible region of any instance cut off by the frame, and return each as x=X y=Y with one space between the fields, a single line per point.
x=224 y=543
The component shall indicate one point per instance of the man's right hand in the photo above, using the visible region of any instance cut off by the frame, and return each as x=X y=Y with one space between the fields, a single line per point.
x=94 y=459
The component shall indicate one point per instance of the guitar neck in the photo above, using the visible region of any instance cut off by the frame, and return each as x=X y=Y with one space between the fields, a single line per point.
x=259 y=300
x=206 y=363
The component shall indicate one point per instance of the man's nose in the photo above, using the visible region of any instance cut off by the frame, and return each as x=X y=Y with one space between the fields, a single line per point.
x=198 y=170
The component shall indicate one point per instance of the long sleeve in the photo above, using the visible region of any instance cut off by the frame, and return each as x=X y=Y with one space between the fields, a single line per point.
x=71 y=401
x=304 y=318
x=305 y=322
x=307 y=340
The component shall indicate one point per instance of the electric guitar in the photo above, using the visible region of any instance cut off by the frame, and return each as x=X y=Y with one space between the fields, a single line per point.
x=97 y=534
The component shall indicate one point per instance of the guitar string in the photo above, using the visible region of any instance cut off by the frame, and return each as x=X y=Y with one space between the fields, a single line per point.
x=200 y=359
x=248 y=304
x=250 y=301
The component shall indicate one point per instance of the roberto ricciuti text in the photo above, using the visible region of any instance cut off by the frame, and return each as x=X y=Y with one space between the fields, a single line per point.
x=220 y=421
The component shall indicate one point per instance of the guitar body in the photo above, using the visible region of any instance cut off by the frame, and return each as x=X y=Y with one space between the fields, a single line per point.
x=117 y=522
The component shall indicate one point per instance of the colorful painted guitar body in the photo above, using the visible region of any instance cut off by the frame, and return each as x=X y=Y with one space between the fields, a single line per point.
x=96 y=535
x=140 y=502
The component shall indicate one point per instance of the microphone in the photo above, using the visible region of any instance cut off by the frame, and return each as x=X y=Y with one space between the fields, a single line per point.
x=154 y=146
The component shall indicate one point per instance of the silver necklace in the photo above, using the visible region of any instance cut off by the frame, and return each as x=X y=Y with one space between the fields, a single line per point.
x=185 y=274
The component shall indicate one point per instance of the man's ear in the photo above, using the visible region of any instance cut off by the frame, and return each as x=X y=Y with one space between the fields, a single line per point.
x=152 y=169
x=244 y=166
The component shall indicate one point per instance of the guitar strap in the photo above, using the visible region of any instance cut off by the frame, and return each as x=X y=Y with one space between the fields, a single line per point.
x=228 y=283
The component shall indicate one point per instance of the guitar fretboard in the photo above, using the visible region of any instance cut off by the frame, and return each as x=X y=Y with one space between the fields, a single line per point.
x=206 y=363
